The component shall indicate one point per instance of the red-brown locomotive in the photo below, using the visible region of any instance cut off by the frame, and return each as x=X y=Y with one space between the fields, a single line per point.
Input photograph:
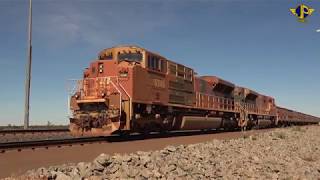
x=131 y=89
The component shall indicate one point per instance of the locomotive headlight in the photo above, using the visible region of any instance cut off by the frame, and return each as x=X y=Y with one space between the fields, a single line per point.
x=76 y=96
x=100 y=67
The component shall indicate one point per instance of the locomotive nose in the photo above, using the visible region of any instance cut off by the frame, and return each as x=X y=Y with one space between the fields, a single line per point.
x=94 y=118
x=93 y=126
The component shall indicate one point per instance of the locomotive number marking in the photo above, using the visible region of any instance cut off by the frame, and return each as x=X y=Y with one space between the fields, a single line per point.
x=159 y=83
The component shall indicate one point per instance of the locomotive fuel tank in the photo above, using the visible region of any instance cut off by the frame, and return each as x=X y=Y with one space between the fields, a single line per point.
x=198 y=122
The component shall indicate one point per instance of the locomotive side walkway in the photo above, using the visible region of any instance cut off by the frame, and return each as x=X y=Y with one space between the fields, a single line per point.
x=292 y=153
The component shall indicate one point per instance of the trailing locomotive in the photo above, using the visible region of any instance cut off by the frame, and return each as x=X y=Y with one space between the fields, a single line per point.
x=129 y=88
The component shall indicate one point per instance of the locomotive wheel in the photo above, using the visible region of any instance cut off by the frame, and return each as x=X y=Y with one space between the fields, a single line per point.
x=134 y=126
x=146 y=132
x=164 y=131
x=244 y=128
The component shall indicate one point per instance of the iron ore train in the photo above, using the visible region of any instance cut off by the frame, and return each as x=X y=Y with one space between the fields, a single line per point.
x=128 y=88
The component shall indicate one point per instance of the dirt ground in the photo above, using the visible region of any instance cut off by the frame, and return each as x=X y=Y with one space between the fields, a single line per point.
x=16 y=163
x=288 y=153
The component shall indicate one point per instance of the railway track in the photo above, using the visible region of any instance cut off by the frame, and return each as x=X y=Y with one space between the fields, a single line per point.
x=69 y=141
x=22 y=158
x=46 y=143
x=20 y=135
x=31 y=131
x=34 y=144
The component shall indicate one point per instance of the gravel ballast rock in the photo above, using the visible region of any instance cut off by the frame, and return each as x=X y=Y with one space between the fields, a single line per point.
x=290 y=153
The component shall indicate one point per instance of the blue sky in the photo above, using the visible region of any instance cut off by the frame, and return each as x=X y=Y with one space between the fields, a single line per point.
x=253 y=43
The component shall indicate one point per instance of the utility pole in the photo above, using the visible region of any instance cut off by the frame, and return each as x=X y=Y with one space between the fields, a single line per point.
x=28 y=70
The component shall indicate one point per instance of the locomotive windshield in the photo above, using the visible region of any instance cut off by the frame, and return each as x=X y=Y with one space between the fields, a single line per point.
x=136 y=56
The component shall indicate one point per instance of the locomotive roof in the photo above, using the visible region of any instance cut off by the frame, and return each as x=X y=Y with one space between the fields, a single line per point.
x=144 y=49
x=130 y=46
x=216 y=79
x=251 y=91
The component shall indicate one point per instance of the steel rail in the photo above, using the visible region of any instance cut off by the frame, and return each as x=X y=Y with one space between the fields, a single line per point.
x=109 y=139
x=24 y=131
x=112 y=138
x=50 y=142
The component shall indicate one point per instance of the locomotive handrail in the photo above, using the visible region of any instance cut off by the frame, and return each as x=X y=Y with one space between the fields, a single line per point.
x=218 y=102
x=120 y=106
x=80 y=86
x=72 y=87
x=226 y=103
x=130 y=100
